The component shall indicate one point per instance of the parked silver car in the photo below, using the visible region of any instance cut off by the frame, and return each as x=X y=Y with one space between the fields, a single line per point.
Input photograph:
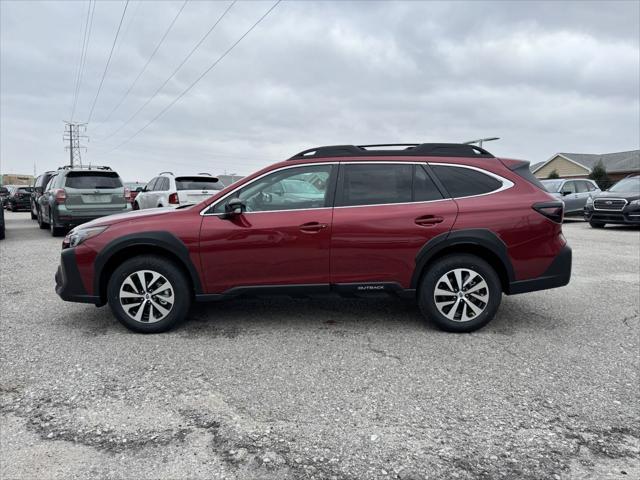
x=573 y=193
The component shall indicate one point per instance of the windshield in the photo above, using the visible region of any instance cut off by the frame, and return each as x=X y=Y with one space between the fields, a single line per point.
x=91 y=180
x=198 y=183
x=552 y=185
x=627 y=185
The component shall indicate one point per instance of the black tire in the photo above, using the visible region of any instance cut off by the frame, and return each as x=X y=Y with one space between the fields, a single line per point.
x=1 y=232
x=177 y=279
x=596 y=224
x=449 y=263
x=41 y=223
x=55 y=231
x=136 y=206
x=33 y=215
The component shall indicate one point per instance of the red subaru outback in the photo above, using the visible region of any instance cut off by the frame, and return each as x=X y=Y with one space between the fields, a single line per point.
x=450 y=225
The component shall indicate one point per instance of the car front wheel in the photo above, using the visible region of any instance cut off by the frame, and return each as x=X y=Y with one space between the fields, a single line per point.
x=460 y=293
x=596 y=224
x=34 y=216
x=149 y=294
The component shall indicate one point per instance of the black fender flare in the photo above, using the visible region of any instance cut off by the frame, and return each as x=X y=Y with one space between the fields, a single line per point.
x=159 y=239
x=478 y=237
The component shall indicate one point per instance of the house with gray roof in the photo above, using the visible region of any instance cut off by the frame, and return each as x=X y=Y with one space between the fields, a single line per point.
x=580 y=165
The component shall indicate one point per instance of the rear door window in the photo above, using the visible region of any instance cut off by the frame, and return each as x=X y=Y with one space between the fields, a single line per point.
x=93 y=180
x=375 y=184
x=465 y=182
x=424 y=189
x=198 y=183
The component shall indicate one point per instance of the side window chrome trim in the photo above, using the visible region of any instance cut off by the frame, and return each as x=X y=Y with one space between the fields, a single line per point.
x=506 y=184
x=213 y=205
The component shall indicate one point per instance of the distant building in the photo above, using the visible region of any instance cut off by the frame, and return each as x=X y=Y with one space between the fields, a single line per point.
x=579 y=165
x=15 y=179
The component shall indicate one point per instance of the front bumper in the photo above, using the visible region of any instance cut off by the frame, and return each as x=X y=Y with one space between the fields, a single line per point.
x=557 y=275
x=629 y=215
x=69 y=286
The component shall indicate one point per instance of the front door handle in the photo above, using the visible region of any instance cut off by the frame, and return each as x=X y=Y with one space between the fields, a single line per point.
x=428 y=220
x=313 y=227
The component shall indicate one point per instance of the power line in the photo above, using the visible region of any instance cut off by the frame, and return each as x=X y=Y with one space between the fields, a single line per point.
x=184 y=92
x=193 y=50
x=126 y=94
x=104 y=74
x=83 y=55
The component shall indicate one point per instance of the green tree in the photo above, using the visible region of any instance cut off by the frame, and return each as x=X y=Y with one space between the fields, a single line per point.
x=599 y=175
x=553 y=174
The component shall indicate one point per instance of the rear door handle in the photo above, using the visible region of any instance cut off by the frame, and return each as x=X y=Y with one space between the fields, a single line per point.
x=313 y=227
x=428 y=220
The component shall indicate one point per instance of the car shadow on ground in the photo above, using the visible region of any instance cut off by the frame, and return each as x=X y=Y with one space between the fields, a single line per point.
x=337 y=315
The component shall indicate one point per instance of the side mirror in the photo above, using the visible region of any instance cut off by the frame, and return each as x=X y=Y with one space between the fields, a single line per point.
x=38 y=190
x=566 y=192
x=140 y=189
x=234 y=207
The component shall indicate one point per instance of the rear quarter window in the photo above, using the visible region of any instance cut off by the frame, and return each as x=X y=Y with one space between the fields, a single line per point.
x=197 y=183
x=93 y=180
x=465 y=182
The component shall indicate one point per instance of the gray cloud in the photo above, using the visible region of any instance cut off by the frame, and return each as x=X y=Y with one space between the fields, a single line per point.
x=544 y=76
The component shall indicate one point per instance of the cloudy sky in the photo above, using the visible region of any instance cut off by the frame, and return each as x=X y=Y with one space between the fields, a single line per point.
x=543 y=76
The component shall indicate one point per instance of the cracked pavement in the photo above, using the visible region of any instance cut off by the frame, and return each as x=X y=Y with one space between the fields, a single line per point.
x=324 y=388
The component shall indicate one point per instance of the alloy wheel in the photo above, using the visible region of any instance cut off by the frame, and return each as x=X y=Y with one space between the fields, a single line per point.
x=146 y=296
x=461 y=294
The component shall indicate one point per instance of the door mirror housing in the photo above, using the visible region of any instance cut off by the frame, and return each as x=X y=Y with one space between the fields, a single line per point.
x=566 y=192
x=38 y=190
x=140 y=189
x=234 y=207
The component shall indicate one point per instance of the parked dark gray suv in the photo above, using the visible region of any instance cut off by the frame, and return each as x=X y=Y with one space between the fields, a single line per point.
x=78 y=195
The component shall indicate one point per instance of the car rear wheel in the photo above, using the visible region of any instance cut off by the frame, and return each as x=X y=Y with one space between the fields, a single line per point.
x=55 y=231
x=460 y=293
x=34 y=216
x=41 y=223
x=149 y=294
x=136 y=206
x=596 y=224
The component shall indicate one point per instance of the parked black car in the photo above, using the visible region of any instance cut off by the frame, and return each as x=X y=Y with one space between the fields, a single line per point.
x=620 y=204
x=19 y=198
x=5 y=191
x=39 y=185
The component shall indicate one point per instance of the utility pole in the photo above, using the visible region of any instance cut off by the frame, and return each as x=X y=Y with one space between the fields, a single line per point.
x=72 y=134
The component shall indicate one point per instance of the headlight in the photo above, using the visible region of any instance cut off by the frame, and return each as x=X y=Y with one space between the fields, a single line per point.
x=589 y=200
x=635 y=203
x=76 y=237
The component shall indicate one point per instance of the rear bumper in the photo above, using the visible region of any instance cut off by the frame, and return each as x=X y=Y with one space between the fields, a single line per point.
x=69 y=286
x=629 y=215
x=71 y=219
x=557 y=275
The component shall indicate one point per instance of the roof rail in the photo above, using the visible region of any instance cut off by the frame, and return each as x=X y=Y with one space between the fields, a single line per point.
x=166 y=173
x=84 y=167
x=205 y=173
x=411 y=149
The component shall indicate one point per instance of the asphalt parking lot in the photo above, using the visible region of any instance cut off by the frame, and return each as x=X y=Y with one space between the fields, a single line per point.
x=324 y=388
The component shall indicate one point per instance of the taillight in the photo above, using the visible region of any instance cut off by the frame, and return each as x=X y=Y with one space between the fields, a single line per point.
x=60 y=195
x=552 y=210
x=173 y=199
x=127 y=194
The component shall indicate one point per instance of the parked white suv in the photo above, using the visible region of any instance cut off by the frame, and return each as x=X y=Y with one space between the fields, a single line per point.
x=168 y=190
